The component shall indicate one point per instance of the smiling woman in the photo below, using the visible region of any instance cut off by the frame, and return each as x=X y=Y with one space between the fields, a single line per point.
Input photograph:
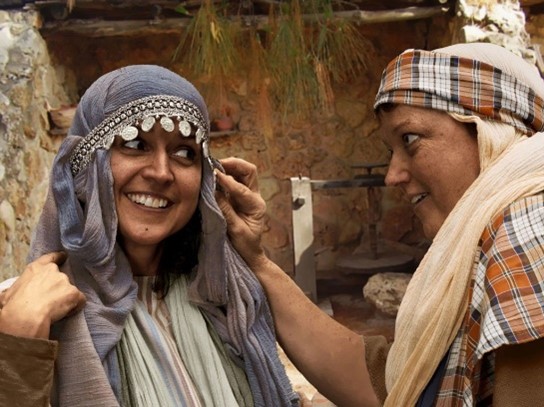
x=476 y=296
x=134 y=296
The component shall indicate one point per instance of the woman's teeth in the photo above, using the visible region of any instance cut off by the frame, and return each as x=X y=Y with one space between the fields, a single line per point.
x=147 y=200
x=416 y=199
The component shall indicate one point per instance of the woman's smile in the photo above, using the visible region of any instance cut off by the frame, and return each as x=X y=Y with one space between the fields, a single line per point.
x=149 y=201
x=416 y=199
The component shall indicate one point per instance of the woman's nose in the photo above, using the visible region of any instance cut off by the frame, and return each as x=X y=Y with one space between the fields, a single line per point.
x=397 y=172
x=159 y=167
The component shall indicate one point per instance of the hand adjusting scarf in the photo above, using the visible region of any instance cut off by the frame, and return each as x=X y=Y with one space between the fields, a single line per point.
x=504 y=96
x=79 y=217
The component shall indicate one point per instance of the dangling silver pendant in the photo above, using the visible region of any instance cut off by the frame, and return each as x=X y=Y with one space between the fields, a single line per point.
x=148 y=123
x=199 y=135
x=109 y=141
x=185 y=128
x=167 y=124
x=129 y=133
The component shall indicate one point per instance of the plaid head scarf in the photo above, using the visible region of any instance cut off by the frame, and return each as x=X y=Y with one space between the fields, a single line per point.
x=461 y=85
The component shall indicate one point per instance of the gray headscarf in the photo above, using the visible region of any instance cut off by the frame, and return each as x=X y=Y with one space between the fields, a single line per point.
x=79 y=217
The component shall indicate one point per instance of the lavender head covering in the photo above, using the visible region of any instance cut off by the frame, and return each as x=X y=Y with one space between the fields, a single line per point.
x=79 y=218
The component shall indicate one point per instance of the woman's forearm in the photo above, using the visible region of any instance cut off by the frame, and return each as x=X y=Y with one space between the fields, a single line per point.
x=328 y=354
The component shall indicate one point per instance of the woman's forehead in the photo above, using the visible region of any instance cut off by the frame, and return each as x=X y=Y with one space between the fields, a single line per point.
x=401 y=118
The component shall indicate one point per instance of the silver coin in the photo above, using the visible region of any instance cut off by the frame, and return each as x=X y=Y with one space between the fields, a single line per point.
x=129 y=133
x=185 y=128
x=148 y=123
x=167 y=124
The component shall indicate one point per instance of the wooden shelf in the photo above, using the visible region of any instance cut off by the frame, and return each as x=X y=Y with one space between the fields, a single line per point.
x=215 y=134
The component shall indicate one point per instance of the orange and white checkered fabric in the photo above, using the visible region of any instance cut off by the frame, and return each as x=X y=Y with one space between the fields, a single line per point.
x=460 y=85
x=507 y=302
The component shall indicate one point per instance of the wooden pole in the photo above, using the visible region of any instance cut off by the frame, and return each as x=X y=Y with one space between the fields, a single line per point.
x=102 y=28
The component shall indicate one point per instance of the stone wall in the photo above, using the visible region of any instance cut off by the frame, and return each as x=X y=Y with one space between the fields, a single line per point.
x=41 y=73
x=28 y=85
x=321 y=148
x=535 y=28
x=498 y=22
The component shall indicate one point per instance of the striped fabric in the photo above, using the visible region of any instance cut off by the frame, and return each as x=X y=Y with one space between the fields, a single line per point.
x=167 y=354
x=460 y=85
x=170 y=356
x=507 y=302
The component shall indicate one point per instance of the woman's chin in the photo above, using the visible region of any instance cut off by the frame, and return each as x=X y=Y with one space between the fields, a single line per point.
x=430 y=230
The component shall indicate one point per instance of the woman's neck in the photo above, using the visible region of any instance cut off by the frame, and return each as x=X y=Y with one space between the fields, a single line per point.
x=144 y=260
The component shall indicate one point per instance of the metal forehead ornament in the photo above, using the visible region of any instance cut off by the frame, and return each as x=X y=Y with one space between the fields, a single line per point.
x=142 y=114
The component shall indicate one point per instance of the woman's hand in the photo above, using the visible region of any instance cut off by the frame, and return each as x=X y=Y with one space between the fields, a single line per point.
x=40 y=296
x=243 y=207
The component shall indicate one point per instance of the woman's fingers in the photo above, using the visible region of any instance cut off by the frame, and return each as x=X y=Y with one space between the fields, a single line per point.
x=242 y=171
x=243 y=199
x=40 y=296
x=2 y=298
x=54 y=257
x=243 y=207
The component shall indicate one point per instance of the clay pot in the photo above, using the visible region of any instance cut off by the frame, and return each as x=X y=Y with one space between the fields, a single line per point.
x=223 y=123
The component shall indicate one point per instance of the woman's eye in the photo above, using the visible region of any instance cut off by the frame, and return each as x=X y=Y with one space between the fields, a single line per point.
x=185 y=152
x=135 y=144
x=409 y=138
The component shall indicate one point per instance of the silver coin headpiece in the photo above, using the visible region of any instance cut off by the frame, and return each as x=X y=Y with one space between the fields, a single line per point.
x=142 y=113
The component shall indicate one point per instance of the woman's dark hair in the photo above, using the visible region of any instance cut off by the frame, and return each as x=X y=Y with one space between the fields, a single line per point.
x=179 y=256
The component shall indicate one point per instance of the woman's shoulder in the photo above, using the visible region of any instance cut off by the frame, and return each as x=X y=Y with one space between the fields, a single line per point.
x=526 y=207
x=522 y=219
x=507 y=300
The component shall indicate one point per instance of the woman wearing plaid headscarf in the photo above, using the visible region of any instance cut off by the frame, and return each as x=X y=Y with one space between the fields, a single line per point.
x=134 y=295
x=463 y=125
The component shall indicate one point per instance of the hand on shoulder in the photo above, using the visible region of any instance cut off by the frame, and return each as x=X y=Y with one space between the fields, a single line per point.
x=41 y=296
